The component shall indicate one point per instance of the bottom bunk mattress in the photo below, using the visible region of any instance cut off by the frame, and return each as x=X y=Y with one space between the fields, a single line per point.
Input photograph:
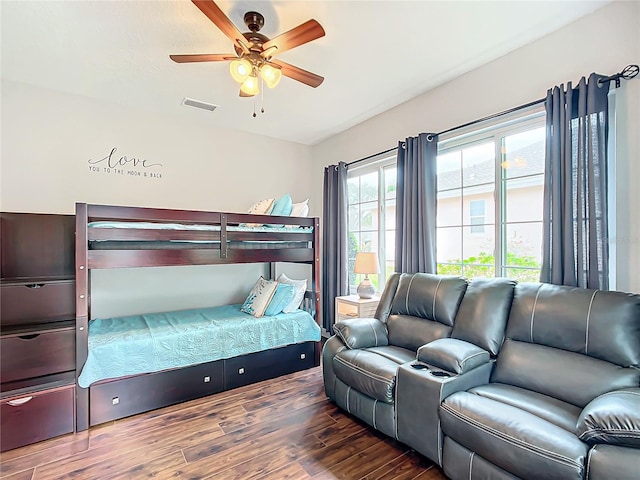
x=154 y=342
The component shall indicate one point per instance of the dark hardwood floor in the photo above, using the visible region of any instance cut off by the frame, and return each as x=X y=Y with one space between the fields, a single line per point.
x=278 y=429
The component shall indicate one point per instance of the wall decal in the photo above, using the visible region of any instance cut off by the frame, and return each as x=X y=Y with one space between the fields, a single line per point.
x=114 y=164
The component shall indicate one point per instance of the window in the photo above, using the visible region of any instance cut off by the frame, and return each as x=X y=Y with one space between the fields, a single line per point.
x=372 y=216
x=490 y=201
x=476 y=215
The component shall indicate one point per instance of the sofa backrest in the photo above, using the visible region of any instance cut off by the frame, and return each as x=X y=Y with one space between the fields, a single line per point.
x=570 y=343
x=420 y=307
x=482 y=317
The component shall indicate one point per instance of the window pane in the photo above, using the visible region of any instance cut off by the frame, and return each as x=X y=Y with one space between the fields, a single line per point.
x=478 y=271
x=478 y=165
x=353 y=190
x=522 y=275
x=390 y=215
x=449 y=245
x=390 y=182
x=449 y=211
x=524 y=245
x=525 y=198
x=446 y=269
x=368 y=242
x=478 y=248
x=523 y=153
x=354 y=218
x=369 y=187
x=390 y=245
x=369 y=216
x=449 y=171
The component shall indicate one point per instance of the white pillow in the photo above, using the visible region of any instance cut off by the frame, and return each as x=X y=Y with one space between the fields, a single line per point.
x=300 y=209
x=300 y=287
x=258 y=299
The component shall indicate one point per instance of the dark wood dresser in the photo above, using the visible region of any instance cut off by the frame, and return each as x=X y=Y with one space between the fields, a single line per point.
x=37 y=327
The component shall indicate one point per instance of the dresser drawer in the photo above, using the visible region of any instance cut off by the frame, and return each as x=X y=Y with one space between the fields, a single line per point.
x=36 y=417
x=37 y=354
x=35 y=303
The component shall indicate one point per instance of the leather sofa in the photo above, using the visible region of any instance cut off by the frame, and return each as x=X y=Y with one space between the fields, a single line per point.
x=493 y=379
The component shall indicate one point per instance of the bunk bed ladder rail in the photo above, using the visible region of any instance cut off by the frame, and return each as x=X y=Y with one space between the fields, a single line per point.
x=82 y=313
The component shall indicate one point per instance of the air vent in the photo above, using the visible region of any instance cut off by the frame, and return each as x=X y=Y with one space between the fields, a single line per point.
x=190 y=102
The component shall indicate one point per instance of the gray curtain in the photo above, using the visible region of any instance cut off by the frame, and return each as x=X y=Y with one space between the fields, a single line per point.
x=335 y=278
x=416 y=196
x=575 y=249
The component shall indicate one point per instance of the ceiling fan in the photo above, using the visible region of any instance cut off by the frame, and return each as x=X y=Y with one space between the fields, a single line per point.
x=254 y=52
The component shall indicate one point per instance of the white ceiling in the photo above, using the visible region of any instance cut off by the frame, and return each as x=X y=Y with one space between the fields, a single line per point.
x=375 y=55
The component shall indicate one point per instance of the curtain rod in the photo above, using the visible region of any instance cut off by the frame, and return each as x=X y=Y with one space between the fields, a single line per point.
x=627 y=73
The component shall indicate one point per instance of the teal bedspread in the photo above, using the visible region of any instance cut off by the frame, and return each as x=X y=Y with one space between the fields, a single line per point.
x=153 y=342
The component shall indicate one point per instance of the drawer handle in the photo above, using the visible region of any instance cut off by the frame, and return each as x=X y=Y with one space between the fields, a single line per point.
x=28 y=337
x=35 y=285
x=19 y=401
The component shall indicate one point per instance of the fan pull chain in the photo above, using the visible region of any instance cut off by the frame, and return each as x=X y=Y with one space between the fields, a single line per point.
x=262 y=95
x=254 y=107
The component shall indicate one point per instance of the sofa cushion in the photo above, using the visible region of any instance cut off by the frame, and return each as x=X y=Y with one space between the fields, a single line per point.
x=430 y=297
x=548 y=408
x=482 y=317
x=568 y=376
x=453 y=355
x=513 y=439
x=411 y=332
x=369 y=371
x=603 y=325
x=612 y=418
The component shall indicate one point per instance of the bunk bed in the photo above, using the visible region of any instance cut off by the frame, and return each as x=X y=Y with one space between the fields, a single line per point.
x=129 y=237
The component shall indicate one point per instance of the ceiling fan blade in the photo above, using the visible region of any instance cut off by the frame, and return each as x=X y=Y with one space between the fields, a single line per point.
x=299 y=74
x=218 y=17
x=203 y=57
x=308 y=31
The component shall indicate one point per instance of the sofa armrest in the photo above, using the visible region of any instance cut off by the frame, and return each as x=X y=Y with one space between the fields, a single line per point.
x=362 y=333
x=453 y=355
x=612 y=418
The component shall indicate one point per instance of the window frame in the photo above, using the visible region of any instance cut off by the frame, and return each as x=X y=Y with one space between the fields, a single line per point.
x=495 y=131
x=376 y=164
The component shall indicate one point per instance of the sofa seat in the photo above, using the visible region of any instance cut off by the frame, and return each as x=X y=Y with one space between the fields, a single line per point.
x=372 y=371
x=551 y=409
x=512 y=438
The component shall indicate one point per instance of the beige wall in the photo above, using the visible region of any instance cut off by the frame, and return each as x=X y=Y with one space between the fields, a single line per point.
x=49 y=137
x=604 y=41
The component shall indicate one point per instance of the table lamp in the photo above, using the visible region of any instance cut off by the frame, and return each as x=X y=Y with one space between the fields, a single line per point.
x=366 y=262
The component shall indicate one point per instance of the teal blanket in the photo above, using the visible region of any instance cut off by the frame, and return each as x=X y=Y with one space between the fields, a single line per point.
x=159 y=341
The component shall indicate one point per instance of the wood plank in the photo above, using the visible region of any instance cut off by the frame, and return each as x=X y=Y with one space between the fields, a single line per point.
x=278 y=429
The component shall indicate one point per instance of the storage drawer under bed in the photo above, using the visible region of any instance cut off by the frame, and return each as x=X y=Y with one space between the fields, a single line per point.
x=36 y=416
x=113 y=399
x=255 y=367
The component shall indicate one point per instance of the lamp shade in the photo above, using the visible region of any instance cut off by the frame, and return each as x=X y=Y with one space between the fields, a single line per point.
x=270 y=74
x=240 y=69
x=366 y=262
x=250 y=86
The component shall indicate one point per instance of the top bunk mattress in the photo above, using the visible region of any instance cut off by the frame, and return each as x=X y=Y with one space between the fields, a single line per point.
x=136 y=344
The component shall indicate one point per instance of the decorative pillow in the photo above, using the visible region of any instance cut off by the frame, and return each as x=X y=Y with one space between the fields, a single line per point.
x=283 y=296
x=263 y=207
x=259 y=297
x=300 y=209
x=300 y=287
x=282 y=206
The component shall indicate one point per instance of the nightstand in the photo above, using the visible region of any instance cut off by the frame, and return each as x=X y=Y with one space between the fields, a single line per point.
x=352 y=306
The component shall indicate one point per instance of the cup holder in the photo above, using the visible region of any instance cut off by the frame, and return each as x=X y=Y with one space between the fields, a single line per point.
x=419 y=366
x=439 y=373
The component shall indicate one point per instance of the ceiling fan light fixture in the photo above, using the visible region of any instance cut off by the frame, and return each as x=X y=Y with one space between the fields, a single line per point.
x=241 y=69
x=250 y=86
x=270 y=74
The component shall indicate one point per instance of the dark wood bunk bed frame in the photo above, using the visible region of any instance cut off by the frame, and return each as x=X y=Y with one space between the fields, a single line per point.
x=117 y=398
